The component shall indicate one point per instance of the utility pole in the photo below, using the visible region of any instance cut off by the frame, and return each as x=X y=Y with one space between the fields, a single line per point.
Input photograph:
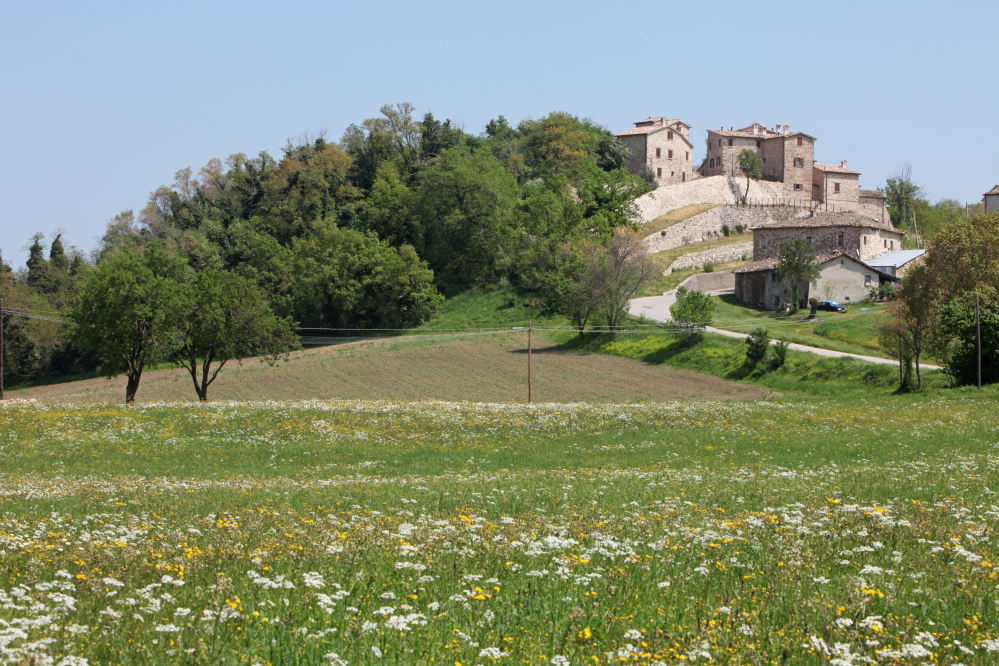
x=530 y=326
x=914 y=226
x=978 y=334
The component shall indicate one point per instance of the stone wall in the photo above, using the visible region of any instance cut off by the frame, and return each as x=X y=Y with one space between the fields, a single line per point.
x=717 y=189
x=864 y=243
x=718 y=255
x=636 y=144
x=708 y=224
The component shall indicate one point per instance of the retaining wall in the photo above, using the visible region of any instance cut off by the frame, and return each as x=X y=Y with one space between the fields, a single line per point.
x=707 y=225
x=713 y=189
x=718 y=255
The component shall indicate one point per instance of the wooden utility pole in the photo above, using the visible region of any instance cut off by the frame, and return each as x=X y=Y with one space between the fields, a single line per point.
x=530 y=325
x=978 y=334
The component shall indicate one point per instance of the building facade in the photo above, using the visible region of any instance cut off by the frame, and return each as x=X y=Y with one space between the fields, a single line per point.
x=851 y=233
x=990 y=200
x=787 y=156
x=663 y=145
x=835 y=184
x=842 y=278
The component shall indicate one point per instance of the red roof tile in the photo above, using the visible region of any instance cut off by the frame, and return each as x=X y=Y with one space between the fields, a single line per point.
x=875 y=194
x=834 y=169
x=994 y=190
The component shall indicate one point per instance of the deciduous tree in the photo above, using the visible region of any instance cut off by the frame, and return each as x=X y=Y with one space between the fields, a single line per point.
x=129 y=309
x=225 y=317
x=752 y=167
x=796 y=264
x=692 y=311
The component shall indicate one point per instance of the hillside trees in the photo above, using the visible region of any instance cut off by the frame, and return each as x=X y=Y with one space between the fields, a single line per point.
x=752 y=167
x=345 y=278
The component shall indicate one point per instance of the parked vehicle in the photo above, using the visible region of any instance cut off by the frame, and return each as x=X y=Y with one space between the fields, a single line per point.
x=830 y=306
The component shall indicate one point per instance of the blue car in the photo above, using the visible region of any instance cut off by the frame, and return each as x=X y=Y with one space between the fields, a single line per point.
x=830 y=306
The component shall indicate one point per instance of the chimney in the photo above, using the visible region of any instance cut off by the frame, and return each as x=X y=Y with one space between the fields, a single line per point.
x=756 y=129
x=785 y=130
x=842 y=163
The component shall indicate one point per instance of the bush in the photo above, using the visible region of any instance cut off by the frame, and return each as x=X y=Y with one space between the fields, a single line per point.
x=757 y=345
x=726 y=230
x=779 y=354
x=740 y=229
x=709 y=268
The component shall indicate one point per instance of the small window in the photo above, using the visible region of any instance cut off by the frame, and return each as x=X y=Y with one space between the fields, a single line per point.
x=799 y=140
x=799 y=161
x=892 y=246
x=865 y=240
x=669 y=135
x=688 y=156
x=867 y=280
x=669 y=154
x=719 y=143
x=764 y=160
x=659 y=152
x=672 y=173
x=841 y=240
x=809 y=239
x=763 y=243
x=835 y=187
x=659 y=172
x=730 y=142
x=759 y=144
x=797 y=186
x=711 y=163
x=773 y=276
x=886 y=243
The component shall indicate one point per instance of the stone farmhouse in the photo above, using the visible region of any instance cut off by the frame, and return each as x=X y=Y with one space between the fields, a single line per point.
x=843 y=278
x=846 y=243
x=990 y=200
x=662 y=144
x=787 y=156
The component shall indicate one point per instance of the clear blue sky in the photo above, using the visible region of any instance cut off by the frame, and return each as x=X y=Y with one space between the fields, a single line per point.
x=104 y=101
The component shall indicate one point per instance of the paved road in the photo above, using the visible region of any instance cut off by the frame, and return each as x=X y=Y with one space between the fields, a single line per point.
x=657 y=308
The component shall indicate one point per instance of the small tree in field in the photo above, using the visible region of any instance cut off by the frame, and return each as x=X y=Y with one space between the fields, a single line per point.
x=226 y=317
x=128 y=311
x=752 y=165
x=691 y=312
x=795 y=264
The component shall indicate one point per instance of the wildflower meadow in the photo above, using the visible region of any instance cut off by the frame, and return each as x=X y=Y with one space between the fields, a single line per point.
x=782 y=531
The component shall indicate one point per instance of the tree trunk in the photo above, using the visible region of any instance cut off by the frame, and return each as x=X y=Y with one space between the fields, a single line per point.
x=919 y=377
x=131 y=387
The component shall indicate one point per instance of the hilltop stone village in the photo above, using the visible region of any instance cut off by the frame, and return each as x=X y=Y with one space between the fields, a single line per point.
x=856 y=244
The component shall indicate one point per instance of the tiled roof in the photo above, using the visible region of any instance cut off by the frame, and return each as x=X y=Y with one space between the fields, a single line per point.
x=747 y=133
x=994 y=190
x=771 y=264
x=655 y=125
x=844 y=219
x=834 y=169
x=875 y=194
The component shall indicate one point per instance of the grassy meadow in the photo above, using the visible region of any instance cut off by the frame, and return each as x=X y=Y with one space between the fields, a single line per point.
x=792 y=531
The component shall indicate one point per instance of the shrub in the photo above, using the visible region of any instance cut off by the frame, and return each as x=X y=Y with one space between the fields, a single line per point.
x=726 y=230
x=740 y=229
x=779 y=354
x=709 y=268
x=757 y=345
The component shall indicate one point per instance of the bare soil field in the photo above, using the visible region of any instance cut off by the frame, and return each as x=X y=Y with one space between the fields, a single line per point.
x=479 y=369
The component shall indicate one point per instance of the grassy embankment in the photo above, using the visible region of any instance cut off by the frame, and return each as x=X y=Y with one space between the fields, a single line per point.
x=769 y=532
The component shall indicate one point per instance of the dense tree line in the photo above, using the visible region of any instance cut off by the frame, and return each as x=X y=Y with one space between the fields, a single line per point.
x=371 y=231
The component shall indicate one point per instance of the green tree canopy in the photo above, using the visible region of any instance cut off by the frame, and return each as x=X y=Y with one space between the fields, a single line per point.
x=796 y=264
x=345 y=278
x=752 y=166
x=128 y=311
x=222 y=317
x=691 y=312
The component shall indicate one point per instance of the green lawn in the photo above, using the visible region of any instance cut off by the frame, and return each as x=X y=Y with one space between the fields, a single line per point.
x=851 y=332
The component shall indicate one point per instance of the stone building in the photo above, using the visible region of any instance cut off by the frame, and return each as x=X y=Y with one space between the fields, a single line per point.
x=662 y=144
x=842 y=278
x=851 y=233
x=787 y=156
x=835 y=184
x=990 y=200
x=873 y=201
